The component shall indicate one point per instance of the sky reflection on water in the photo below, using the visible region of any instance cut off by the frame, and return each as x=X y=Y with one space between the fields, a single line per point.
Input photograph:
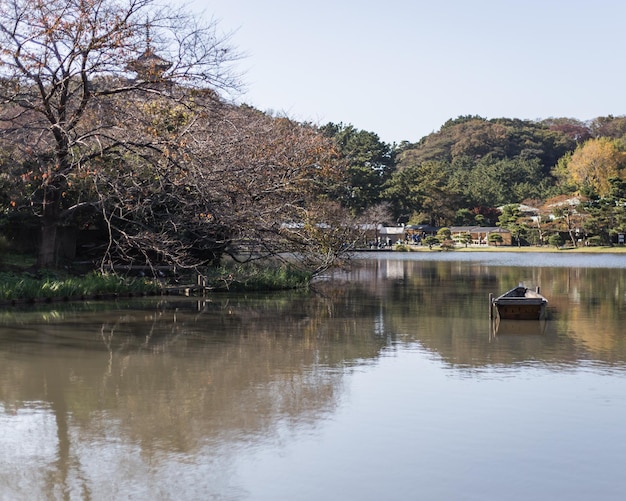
x=563 y=259
x=387 y=382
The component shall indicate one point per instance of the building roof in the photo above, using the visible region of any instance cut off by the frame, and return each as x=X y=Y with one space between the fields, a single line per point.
x=391 y=230
x=478 y=229
x=422 y=227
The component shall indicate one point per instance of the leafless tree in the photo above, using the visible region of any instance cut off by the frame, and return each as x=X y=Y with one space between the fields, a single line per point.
x=235 y=182
x=64 y=67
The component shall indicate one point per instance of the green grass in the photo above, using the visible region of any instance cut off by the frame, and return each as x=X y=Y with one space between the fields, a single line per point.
x=19 y=282
x=28 y=286
x=256 y=277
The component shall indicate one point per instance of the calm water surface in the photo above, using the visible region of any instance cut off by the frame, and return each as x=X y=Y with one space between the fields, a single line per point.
x=387 y=382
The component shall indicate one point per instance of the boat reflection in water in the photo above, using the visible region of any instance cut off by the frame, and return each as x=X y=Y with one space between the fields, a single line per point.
x=304 y=394
x=504 y=327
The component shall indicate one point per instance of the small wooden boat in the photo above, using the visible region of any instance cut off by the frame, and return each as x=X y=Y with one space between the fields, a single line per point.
x=521 y=303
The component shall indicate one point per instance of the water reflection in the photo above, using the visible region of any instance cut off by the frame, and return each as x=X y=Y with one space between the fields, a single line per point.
x=167 y=379
x=443 y=305
x=106 y=400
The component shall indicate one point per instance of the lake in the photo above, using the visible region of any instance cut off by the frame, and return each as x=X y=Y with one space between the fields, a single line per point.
x=387 y=381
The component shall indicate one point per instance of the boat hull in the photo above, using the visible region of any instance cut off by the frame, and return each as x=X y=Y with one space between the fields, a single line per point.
x=521 y=311
x=521 y=303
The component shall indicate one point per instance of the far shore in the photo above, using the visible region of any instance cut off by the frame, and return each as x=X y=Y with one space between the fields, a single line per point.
x=618 y=249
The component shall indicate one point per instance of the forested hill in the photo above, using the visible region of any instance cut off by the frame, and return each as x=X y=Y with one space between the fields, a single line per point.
x=473 y=138
x=475 y=162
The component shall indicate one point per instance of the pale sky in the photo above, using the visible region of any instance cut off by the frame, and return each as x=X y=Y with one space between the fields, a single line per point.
x=401 y=68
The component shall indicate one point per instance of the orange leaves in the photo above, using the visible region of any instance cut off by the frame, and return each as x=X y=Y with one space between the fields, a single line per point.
x=594 y=163
x=28 y=176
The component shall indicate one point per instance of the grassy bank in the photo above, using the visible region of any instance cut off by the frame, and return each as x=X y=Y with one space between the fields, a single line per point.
x=19 y=281
x=256 y=277
x=28 y=286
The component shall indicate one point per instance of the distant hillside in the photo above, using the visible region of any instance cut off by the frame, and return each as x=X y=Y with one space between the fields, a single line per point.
x=498 y=161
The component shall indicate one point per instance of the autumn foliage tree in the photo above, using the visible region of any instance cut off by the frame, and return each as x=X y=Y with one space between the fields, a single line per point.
x=252 y=186
x=592 y=164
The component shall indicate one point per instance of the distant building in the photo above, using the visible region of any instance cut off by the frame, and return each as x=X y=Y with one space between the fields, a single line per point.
x=480 y=234
x=149 y=66
x=391 y=234
x=423 y=230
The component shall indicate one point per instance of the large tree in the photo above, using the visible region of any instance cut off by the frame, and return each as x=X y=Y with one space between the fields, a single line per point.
x=594 y=163
x=369 y=164
x=64 y=67
x=510 y=219
x=255 y=186
x=422 y=191
x=606 y=216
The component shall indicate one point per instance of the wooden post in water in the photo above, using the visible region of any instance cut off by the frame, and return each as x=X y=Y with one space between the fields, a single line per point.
x=490 y=306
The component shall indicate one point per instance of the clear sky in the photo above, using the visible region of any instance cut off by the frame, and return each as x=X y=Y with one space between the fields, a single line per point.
x=401 y=68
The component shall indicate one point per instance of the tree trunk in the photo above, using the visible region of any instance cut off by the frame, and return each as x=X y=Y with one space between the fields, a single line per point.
x=540 y=232
x=570 y=230
x=47 y=256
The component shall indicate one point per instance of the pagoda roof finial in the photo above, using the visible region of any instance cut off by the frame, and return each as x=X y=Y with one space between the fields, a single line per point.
x=148 y=65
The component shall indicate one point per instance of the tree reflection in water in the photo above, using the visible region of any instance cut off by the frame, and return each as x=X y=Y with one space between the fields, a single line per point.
x=179 y=388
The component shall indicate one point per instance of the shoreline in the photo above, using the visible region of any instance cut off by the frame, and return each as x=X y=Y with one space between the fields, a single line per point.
x=487 y=249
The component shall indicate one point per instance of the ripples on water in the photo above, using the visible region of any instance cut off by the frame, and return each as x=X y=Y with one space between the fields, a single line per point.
x=387 y=382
